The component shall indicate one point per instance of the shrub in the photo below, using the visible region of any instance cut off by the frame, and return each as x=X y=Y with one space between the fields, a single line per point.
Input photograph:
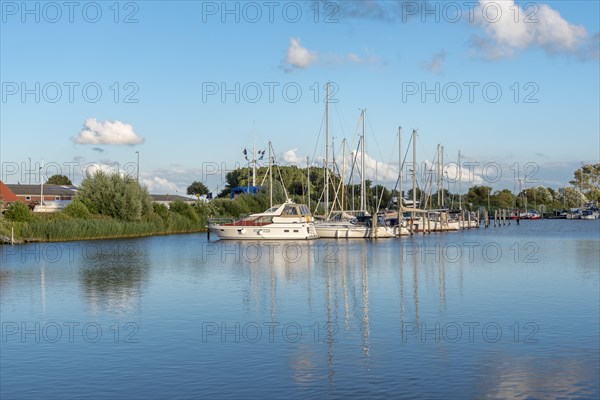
x=184 y=209
x=77 y=210
x=18 y=212
x=114 y=195
x=161 y=210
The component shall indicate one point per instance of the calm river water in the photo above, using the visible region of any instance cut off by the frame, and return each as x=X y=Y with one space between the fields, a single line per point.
x=501 y=312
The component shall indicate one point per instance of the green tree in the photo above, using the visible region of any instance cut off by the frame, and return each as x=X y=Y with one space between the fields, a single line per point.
x=59 y=180
x=117 y=196
x=18 y=212
x=538 y=195
x=77 y=209
x=184 y=209
x=571 y=197
x=197 y=189
x=587 y=177
x=478 y=196
x=505 y=198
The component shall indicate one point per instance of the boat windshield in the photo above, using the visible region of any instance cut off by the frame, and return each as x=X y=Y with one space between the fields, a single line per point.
x=304 y=210
x=290 y=210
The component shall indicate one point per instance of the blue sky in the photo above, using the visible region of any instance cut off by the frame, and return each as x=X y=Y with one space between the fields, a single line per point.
x=159 y=65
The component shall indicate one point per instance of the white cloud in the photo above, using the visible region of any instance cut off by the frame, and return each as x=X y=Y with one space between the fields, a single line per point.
x=107 y=132
x=158 y=185
x=299 y=56
x=291 y=158
x=105 y=166
x=507 y=32
x=470 y=176
x=436 y=64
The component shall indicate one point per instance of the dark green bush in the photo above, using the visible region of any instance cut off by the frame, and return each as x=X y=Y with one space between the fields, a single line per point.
x=77 y=210
x=184 y=209
x=18 y=212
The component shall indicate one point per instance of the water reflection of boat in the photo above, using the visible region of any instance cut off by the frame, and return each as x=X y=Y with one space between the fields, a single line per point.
x=286 y=221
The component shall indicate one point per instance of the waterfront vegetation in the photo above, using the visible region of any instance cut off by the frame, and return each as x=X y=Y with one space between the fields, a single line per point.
x=112 y=206
x=106 y=207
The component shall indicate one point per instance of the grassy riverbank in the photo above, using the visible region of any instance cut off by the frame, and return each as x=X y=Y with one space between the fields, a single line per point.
x=58 y=228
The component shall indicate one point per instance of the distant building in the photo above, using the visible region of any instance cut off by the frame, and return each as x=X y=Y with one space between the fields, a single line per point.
x=6 y=195
x=167 y=199
x=55 y=196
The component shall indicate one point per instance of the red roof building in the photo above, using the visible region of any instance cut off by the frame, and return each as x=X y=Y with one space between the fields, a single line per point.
x=6 y=195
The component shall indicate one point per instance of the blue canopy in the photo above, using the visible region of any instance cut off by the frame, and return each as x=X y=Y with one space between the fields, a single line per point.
x=244 y=189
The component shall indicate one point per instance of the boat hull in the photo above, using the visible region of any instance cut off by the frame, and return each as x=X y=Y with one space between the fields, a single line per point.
x=326 y=231
x=291 y=231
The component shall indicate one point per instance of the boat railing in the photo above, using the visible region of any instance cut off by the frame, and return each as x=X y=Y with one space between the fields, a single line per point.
x=221 y=220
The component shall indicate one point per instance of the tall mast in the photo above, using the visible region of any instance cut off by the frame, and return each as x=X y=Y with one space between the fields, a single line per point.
x=363 y=206
x=399 y=174
x=414 y=194
x=254 y=161
x=343 y=171
x=308 y=181
x=270 y=177
x=442 y=176
x=459 y=179
x=327 y=149
x=439 y=200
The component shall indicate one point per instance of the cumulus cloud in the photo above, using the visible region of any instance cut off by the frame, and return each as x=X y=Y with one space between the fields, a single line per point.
x=298 y=56
x=507 y=28
x=470 y=176
x=158 y=185
x=290 y=157
x=107 y=132
x=436 y=64
x=106 y=166
x=506 y=33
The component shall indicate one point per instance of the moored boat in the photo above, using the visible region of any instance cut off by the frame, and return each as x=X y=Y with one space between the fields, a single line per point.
x=288 y=221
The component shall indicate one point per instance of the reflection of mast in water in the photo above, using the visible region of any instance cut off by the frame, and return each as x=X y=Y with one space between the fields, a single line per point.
x=272 y=294
x=461 y=279
x=330 y=323
x=43 y=287
x=402 y=298
x=365 y=301
x=442 y=279
x=308 y=258
x=416 y=286
x=345 y=293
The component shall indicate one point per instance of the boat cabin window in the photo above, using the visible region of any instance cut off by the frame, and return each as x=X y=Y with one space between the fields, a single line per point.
x=290 y=210
x=304 y=210
x=272 y=209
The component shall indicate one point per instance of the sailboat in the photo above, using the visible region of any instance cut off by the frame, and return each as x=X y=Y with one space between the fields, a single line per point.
x=344 y=225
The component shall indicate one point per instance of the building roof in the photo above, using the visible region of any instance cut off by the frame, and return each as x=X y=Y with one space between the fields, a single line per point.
x=170 y=197
x=6 y=194
x=50 y=190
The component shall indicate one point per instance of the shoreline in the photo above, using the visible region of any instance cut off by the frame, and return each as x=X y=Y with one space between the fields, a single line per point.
x=6 y=241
